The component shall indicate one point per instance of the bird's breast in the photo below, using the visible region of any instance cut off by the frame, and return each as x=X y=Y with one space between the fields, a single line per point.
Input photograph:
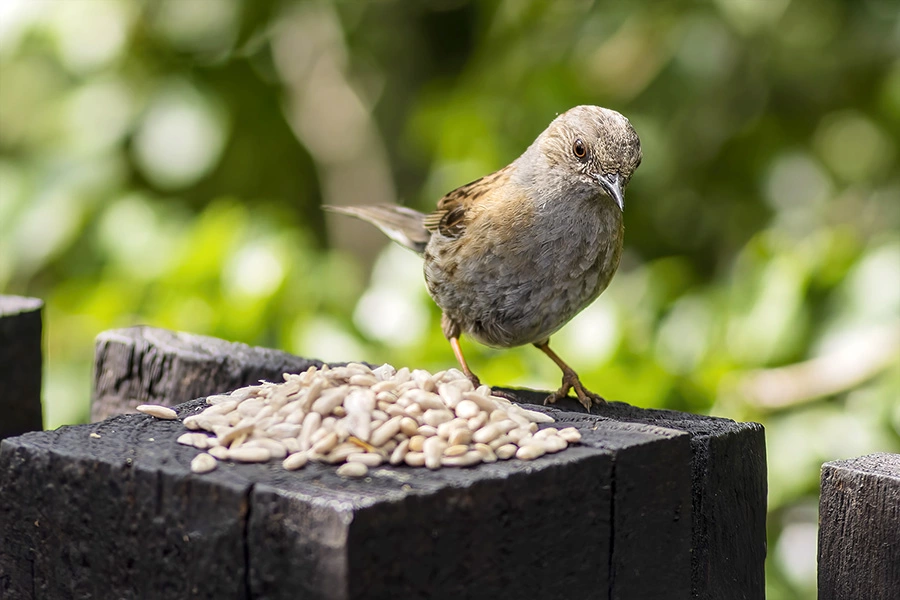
x=513 y=282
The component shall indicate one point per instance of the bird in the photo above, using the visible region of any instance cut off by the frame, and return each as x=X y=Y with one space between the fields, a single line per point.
x=512 y=257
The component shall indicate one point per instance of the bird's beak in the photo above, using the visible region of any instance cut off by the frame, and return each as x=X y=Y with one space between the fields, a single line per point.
x=612 y=183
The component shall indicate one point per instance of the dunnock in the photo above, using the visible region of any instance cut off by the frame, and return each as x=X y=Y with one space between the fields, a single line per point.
x=512 y=257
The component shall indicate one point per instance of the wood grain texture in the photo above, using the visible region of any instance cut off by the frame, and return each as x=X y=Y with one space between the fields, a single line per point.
x=147 y=365
x=728 y=495
x=859 y=528
x=20 y=365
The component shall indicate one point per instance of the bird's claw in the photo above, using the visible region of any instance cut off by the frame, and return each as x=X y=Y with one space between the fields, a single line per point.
x=570 y=381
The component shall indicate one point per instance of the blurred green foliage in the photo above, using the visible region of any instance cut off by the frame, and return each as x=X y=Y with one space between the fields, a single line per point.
x=164 y=162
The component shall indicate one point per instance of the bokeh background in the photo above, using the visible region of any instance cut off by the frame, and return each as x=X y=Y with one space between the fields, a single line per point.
x=164 y=163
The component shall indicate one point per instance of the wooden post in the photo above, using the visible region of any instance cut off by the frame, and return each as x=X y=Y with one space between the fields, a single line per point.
x=148 y=365
x=653 y=504
x=20 y=365
x=859 y=528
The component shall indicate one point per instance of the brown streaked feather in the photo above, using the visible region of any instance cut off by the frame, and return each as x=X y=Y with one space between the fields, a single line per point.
x=454 y=209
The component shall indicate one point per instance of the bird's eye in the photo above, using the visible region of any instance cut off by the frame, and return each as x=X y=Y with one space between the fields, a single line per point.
x=578 y=149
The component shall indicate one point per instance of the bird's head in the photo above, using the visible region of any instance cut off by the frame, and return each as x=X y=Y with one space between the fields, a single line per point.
x=591 y=147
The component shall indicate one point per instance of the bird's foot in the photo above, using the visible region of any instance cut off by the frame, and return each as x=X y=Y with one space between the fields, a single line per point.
x=570 y=381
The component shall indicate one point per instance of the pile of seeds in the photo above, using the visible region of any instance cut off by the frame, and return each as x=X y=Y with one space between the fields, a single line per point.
x=361 y=417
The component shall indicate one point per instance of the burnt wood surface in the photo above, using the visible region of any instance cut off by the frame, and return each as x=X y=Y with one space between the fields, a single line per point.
x=121 y=515
x=641 y=510
x=859 y=528
x=20 y=365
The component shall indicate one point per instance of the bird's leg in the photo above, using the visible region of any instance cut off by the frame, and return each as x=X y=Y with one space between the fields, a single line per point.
x=451 y=332
x=457 y=351
x=570 y=380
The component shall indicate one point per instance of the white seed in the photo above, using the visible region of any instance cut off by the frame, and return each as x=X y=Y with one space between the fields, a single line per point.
x=291 y=444
x=467 y=409
x=530 y=452
x=546 y=432
x=220 y=452
x=456 y=450
x=325 y=445
x=535 y=416
x=505 y=426
x=400 y=452
x=554 y=443
x=332 y=414
x=230 y=435
x=385 y=386
x=359 y=424
x=203 y=463
x=219 y=398
x=353 y=469
x=310 y=425
x=416 y=443
x=367 y=458
x=387 y=431
x=395 y=410
x=363 y=380
x=221 y=408
x=483 y=402
x=329 y=399
x=434 y=447
x=249 y=455
x=506 y=451
x=486 y=434
x=427 y=430
x=249 y=408
x=450 y=394
x=498 y=415
x=500 y=441
x=158 y=411
x=486 y=452
x=423 y=379
x=518 y=434
x=283 y=430
x=276 y=449
x=295 y=461
x=409 y=426
x=435 y=417
x=468 y=459
x=445 y=428
x=454 y=374
x=415 y=459
x=340 y=453
x=459 y=436
x=425 y=399
x=570 y=434
x=478 y=422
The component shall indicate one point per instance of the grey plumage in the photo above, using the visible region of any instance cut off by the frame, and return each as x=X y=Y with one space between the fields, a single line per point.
x=512 y=257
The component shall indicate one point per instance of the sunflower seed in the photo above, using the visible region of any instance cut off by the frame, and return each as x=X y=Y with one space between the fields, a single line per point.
x=158 y=411
x=203 y=463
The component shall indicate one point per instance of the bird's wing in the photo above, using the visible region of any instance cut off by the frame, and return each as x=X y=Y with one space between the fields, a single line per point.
x=455 y=210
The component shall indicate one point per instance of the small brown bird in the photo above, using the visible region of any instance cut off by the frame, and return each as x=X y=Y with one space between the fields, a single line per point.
x=512 y=257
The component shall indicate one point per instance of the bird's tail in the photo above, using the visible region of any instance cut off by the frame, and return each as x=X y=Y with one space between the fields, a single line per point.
x=403 y=225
